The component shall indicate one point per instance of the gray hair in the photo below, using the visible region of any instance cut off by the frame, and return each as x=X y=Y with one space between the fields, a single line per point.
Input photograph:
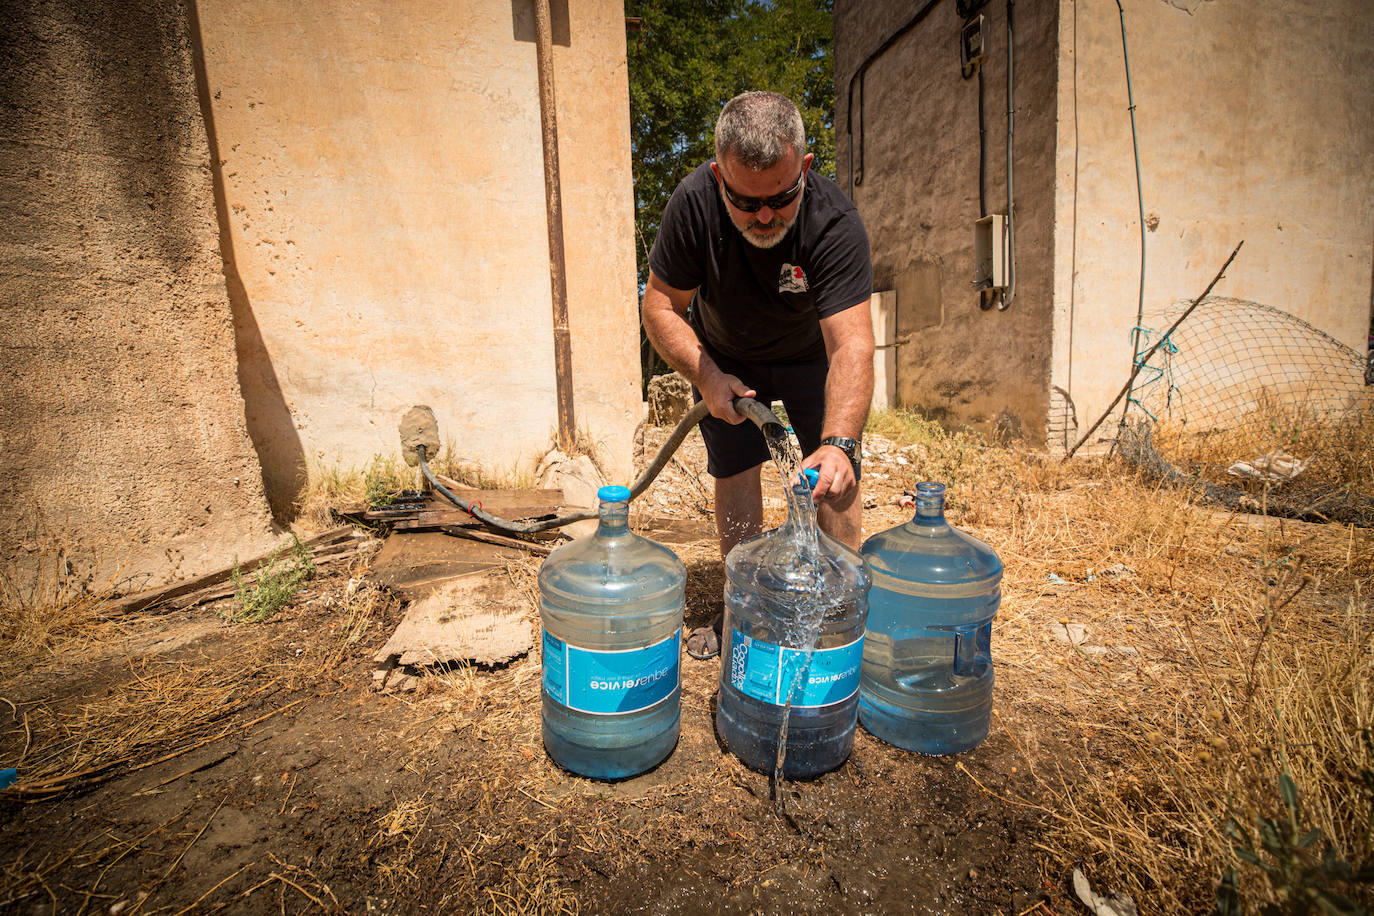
x=759 y=129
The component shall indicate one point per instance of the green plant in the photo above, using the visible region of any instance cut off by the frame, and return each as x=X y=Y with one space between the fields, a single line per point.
x=381 y=483
x=1286 y=857
x=277 y=582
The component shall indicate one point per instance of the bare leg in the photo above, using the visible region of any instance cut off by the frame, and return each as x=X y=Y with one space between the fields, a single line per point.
x=739 y=514
x=842 y=520
x=739 y=508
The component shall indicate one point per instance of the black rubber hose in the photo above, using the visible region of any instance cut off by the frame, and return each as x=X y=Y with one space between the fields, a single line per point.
x=762 y=417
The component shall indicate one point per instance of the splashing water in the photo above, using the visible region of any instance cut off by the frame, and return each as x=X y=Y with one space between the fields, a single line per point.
x=806 y=625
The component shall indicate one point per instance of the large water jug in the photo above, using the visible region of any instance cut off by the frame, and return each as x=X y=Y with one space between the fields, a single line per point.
x=927 y=667
x=795 y=604
x=611 y=608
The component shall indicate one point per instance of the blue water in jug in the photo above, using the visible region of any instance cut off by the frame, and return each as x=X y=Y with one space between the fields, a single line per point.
x=795 y=605
x=927 y=666
x=611 y=609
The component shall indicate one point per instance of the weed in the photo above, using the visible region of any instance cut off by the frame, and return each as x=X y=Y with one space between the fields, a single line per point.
x=276 y=583
x=381 y=483
x=906 y=426
x=1286 y=859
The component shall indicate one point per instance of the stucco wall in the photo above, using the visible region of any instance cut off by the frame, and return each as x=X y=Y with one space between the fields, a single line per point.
x=121 y=422
x=919 y=200
x=381 y=163
x=1255 y=122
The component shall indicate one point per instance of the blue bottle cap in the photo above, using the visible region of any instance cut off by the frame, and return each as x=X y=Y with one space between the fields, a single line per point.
x=812 y=475
x=613 y=494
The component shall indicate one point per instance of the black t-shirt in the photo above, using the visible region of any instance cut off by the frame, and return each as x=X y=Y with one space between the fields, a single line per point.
x=763 y=304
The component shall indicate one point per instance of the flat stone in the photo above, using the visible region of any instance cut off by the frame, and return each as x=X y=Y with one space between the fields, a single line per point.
x=483 y=619
x=1073 y=634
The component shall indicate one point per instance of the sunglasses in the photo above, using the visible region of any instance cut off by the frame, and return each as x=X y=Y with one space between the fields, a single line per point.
x=755 y=204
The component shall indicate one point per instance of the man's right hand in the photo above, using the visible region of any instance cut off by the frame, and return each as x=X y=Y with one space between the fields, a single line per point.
x=719 y=390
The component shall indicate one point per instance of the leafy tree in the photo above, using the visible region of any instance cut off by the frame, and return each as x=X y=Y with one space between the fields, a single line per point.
x=687 y=60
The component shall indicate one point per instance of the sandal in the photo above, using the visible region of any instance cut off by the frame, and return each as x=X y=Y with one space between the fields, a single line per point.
x=703 y=643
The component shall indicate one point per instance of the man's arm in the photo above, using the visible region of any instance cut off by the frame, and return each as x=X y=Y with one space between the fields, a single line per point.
x=848 y=392
x=664 y=313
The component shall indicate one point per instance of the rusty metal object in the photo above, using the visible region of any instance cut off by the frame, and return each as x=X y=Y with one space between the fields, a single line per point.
x=553 y=195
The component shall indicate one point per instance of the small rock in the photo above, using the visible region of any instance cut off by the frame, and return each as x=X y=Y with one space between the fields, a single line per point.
x=1072 y=633
x=670 y=397
x=579 y=480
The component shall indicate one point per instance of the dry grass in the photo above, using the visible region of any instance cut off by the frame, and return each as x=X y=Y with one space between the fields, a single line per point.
x=159 y=714
x=1221 y=651
x=358 y=609
x=1337 y=446
x=904 y=426
x=47 y=601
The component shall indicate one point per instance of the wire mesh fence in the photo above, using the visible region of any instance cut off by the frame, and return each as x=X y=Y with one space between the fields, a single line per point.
x=1257 y=409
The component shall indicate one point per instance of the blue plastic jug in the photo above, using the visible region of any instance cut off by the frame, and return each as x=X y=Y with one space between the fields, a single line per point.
x=927 y=666
x=611 y=609
x=784 y=588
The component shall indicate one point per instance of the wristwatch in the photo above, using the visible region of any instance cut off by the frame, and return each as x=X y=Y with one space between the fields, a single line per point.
x=850 y=447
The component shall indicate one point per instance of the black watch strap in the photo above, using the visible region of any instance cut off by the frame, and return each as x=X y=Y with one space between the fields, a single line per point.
x=849 y=446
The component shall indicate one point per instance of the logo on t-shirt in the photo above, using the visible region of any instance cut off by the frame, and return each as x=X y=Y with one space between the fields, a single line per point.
x=792 y=280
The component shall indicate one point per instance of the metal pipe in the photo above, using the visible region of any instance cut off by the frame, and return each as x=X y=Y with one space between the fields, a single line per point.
x=1136 y=361
x=856 y=175
x=553 y=197
x=1005 y=302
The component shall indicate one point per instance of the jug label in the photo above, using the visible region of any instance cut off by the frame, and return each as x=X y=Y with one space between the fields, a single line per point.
x=766 y=672
x=608 y=683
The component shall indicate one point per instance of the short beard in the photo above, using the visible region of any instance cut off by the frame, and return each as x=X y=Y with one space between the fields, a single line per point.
x=772 y=240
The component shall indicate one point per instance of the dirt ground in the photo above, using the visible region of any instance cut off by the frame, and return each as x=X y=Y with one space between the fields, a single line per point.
x=253 y=769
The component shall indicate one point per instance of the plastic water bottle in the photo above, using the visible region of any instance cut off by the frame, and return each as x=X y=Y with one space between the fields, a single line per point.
x=611 y=609
x=795 y=604
x=927 y=667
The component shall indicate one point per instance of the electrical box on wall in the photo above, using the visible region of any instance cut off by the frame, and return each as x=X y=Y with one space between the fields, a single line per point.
x=990 y=252
x=973 y=44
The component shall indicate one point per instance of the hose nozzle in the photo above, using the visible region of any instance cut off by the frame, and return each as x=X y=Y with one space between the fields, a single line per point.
x=762 y=417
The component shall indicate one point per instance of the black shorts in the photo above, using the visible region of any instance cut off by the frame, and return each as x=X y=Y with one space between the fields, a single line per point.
x=732 y=448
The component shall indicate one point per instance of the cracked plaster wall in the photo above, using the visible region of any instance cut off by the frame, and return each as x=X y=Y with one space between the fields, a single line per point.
x=382 y=171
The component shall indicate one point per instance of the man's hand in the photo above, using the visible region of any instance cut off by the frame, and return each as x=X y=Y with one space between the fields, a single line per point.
x=836 y=479
x=719 y=390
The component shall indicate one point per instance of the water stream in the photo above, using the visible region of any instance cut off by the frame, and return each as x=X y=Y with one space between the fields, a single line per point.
x=805 y=627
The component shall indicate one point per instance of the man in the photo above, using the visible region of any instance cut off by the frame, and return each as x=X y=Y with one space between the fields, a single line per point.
x=759 y=282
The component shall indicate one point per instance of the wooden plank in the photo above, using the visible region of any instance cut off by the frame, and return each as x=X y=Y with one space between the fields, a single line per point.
x=489 y=538
x=438 y=518
x=413 y=564
x=325 y=556
x=147 y=599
